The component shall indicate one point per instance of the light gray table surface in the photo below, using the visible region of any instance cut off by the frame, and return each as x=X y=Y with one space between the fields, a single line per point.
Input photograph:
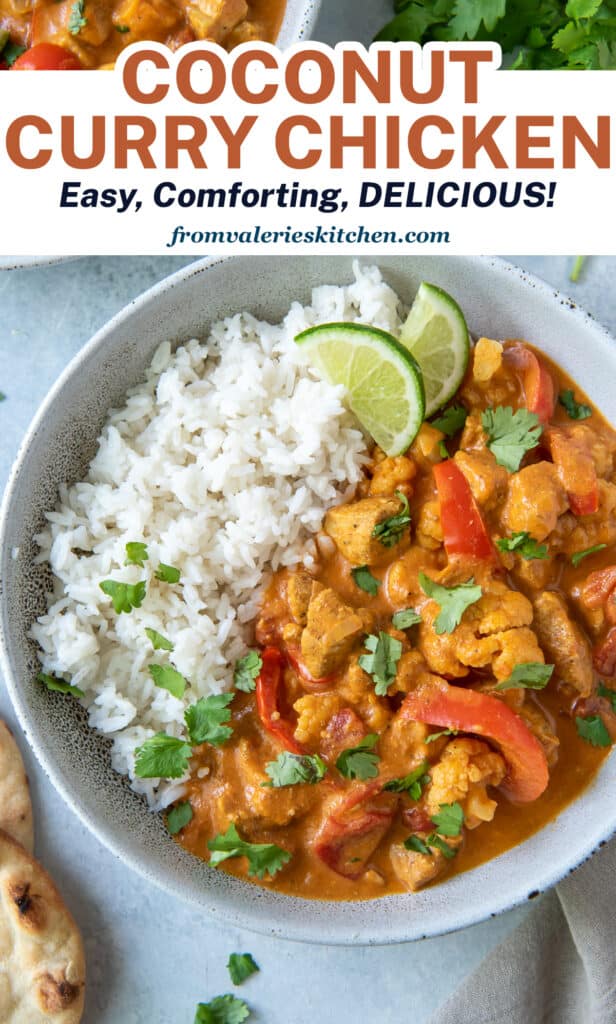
x=150 y=957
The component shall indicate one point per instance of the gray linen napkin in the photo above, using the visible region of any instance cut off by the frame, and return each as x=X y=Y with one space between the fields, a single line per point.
x=558 y=966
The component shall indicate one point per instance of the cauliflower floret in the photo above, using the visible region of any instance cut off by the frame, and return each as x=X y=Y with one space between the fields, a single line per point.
x=466 y=768
x=535 y=500
x=486 y=479
x=356 y=688
x=429 y=531
x=487 y=359
x=314 y=712
x=393 y=474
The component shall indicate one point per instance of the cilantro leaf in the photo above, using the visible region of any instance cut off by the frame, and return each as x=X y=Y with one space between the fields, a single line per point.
x=205 y=720
x=360 y=762
x=405 y=618
x=365 y=580
x=158 y=641
x=167 y=573
x=528 y=675
x=390 y=531
x=222 y=1010
x=510 y=434
x=434 y=736
x=178 y=817
x=579 y=556
x=451 y=421
x=168 y=678
x=382 y=662
x=468 y=17
x=440 y=844
x=246 y=671
x=418 y=845
x=58 y=685
x=9 y=55
x=575 y=410
x=411 y=784
x=293 y=769
x=122 y=29
x=162 y=757
x=453 y=601
x=443 y=450
x=76 y=20
x=136 y=553
x=449 y=820
x=241 y=966
x=608 y=694
x=593 y=730
x=263 y=858
x=124 y=596
x=523 y=544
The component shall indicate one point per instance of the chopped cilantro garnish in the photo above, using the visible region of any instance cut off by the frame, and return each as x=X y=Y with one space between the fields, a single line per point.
x=365 y=580
x=575 y=410
x=390 y=531
x=293 y=769
x=162 y=757
x=241 y=966
x=124 y=596
x=579 y=261
x=523 y=544
x=168 y=678
x=205 y=720
x=453 y=601
x=246 y=671
x=434 y=736
x=178 y=817
x=510 y=434
x=158 y=641
x=263 y=858
x=419 y=846
x=579 y=556
x=122 y=29
x=167 y=573
x=9 y=55
x=411 y=784
x=449 y=820
x=222 y=1010
x=608 y=694
x=451 y=421
x=136 y=553
x=77 y=19
x=360 y=762
x=58 y=685
x=405 y=618
x=528 y=675
x=382 y=662
x=443 y=450
x=593 y=730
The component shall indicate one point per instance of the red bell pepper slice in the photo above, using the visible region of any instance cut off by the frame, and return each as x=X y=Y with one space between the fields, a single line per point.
x=268 y=693
x=604 y=655
x=351 y=833
x=454 y=707
x=538 y=383
x=576 y=470
x=47 y=57
x=464 y=531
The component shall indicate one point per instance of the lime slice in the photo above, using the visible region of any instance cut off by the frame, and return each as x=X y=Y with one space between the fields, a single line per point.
x=383 y=381
x=436 y=334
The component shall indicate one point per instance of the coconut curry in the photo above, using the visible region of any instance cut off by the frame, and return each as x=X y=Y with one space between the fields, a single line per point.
x=435 y=685
x=60 y=34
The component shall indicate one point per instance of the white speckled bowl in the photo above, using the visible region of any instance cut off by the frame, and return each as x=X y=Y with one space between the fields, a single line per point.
x=500 y=301
x=299 y=20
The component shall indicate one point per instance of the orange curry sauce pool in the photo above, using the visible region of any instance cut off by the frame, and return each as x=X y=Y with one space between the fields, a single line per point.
x=346 y=836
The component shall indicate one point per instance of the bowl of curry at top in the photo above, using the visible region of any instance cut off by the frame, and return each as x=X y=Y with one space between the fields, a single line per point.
x=90 y=34
x=370 y=696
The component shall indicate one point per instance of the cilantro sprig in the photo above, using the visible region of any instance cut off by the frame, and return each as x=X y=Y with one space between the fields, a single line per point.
x=411 y=784
x=77 y=19
x=179 y=816
x=575 y=410
x=241 y=966
x=453 y=601
x=451 y=421
x=136 y=553
x=58 y=685
x=225 y=1009
x=167 y=573
x=293 y=769
x=592 y=729
x=390 y=530
x=510 y=434
x=579 y=556
x=433 y=840
x=528 y=675
x=124 y=596
x=524 y=545
x=382 y=661
x=360 y=762
x=246 y=671
x=162 y=757
x=168 y=678
x=158 y=641
x=263 y=858
x=206 y=720
x=449 y=820
x=365 y=580
x=405 y=618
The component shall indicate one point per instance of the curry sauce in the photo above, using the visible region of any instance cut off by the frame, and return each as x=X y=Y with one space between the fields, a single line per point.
x=524 y=756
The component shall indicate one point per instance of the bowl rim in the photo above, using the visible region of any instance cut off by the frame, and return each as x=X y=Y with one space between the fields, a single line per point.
x=248 y=917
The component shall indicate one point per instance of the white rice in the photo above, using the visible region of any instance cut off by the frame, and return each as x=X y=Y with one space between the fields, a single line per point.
x=223 y=463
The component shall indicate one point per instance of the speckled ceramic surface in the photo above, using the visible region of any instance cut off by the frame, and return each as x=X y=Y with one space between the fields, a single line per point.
x=299 y=20
x=498 y=300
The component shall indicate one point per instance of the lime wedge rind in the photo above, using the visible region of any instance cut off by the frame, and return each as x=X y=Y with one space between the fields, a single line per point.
x=382 y=379
x=436 y=334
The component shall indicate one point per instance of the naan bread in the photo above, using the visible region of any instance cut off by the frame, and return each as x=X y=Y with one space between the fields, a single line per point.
x=15 y=804
x=42 y=963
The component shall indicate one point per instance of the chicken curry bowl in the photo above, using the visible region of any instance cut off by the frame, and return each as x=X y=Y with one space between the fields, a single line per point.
x=345 y=662
x=73 y=34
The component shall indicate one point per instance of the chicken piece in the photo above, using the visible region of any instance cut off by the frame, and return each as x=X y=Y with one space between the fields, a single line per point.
x=356 y=688
x=393 y=474
x=314 y=712
x=215 y=19
x=332 y=628
x=597 y=446
x=486 y=479
x=535 y=573
x=416 y=869
x=487 y=359
x=299 y=592
x=563 y=642
x=596 y=599
x=597 y=528
x=353 y=828
x=429 y=533
x=473 y=437
x=351 y=528
x=535 y=500
x=345 y=729
x=263 y=806
x=402 y=585
x=465 y=770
